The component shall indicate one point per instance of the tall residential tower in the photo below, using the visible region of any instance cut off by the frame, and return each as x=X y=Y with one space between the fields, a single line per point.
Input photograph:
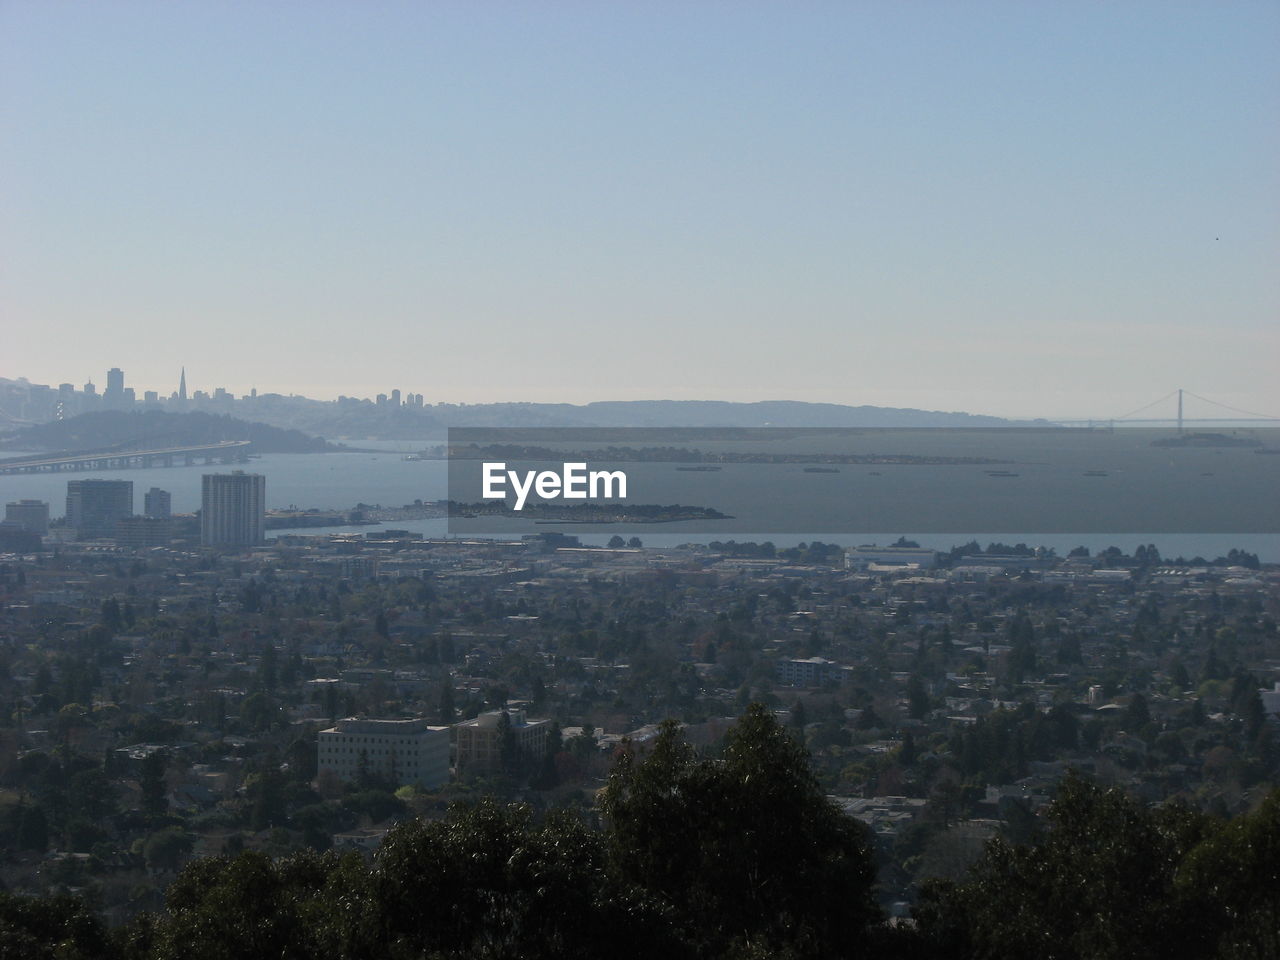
x=233 y=509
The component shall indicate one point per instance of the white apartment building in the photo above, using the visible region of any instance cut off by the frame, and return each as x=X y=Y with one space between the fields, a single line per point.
x=405 y=751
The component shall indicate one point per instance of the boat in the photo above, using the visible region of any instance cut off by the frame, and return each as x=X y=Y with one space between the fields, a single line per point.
x=704 y=468
x=821 y=470
x=1096 y=473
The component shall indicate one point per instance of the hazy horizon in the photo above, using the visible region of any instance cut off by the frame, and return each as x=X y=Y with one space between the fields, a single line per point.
x=1023 y=211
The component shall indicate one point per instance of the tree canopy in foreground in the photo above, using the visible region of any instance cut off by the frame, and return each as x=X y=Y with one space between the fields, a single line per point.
x=735 y=856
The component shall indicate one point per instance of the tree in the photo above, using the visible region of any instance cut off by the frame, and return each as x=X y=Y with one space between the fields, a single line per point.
x=1137 y=714
x=616 y=541
x=251 y=907
x=917 y=698
x=56 y=928
x=799 y=717
x=267 y=673
x=510 y=756
x=302 y=760
x=704 y=837
x=488 y=881
x=1100 y=885
x=1236 y=871
x=907 y=752
x=258 y=712
x=166 y=848
x=151 y=780
x=447 y=711
x=33 y=829
x=266 y=791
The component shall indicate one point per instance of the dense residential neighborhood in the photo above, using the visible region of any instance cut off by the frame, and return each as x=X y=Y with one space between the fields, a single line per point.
x=174 y=702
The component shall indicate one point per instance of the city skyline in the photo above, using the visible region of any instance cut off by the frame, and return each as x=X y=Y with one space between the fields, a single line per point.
x=972 y=206
x=68 y=401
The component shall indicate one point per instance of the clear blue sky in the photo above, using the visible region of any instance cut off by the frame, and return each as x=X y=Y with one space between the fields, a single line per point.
x=1012 y=208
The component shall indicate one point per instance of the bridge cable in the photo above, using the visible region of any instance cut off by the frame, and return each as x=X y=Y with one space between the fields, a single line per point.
x=1147 y=407
x=1225 y=406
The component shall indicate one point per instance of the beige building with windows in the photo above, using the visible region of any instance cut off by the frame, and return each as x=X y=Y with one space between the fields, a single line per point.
x=479 y=741
x=405 y=751
x=232 y=509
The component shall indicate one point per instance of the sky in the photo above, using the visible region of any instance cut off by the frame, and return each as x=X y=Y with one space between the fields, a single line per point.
x=1049 y=209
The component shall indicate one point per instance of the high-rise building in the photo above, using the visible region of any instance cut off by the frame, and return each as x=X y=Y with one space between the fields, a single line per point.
x=233 y=509
x=94 y=507
x=157 y=503
x=113 y=396
x=30 y=515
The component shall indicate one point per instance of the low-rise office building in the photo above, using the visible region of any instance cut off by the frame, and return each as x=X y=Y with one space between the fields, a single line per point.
x=403 y=751
x=479 y=741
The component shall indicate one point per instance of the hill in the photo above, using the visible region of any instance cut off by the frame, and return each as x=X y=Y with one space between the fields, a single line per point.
x=154 y=429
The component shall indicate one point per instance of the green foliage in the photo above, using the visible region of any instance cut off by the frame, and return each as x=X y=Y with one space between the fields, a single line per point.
x=151 y=780
x=738 y=856
x=33 y=829
x=34 y=928
x=377 y=805
x=488 y=881
x=166 y=848
x=248 y=906
x=1101 y=884
x=1237 y=871
x=746 y=849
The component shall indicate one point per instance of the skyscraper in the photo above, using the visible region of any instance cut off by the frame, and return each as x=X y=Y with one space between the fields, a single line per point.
x=233 y=509
x=94 y=507
x=157 y=503
x=113 y=397
x=31 y=515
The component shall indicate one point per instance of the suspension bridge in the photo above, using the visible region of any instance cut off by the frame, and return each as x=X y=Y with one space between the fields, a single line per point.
x=1234 y=416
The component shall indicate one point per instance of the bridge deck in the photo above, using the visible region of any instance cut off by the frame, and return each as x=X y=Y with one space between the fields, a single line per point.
x=123 y=458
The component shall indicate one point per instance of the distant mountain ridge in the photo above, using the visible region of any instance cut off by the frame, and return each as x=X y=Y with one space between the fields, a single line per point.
x=367 y=420
x=363 y=418
x=153 y=429
x=724 y=413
